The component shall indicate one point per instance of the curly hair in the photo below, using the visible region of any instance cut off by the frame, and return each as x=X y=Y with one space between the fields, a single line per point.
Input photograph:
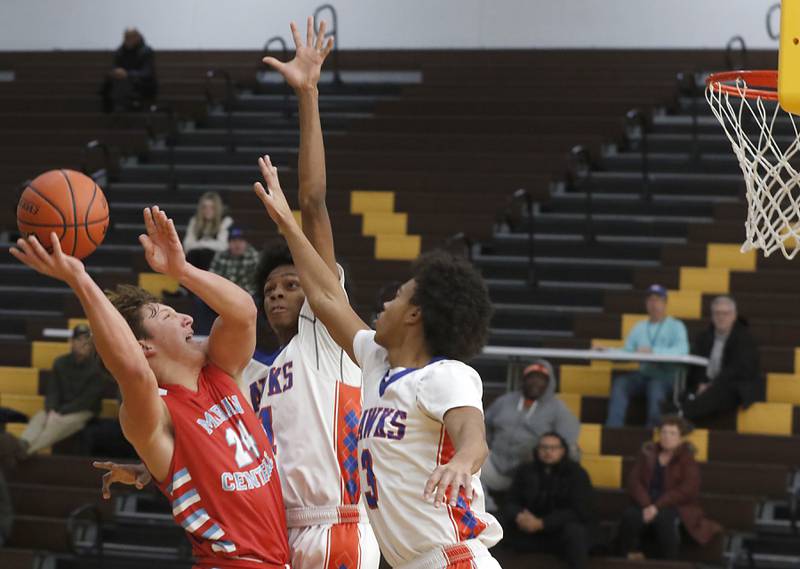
x=455 y=304
x=684 y=426
x=273 y=256
x=129 y=301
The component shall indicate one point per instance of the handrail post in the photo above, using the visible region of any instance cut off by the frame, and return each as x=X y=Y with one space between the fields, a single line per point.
x=729 y=62
x=770 y=30
x=287 y=107
x=334 y=33
x=636 y=120
x=94 y=145
x=580 y=165
x=687 y=86
x=526 y=196
x=227 y=104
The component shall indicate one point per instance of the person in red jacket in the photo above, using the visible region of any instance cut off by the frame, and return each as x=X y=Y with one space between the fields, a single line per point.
x=665 y=487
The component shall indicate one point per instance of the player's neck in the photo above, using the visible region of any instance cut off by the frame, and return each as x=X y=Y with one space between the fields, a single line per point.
x=183 y=373
x=412 y=353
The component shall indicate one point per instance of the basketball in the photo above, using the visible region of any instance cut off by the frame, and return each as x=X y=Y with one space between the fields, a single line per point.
x=69 y=203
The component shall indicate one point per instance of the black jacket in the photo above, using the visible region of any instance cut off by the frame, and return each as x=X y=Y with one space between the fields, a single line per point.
x=557 y=495
x=139 y=62
x=740 y=363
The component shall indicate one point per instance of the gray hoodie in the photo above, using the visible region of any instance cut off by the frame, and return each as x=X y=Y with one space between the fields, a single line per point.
x=512 y=431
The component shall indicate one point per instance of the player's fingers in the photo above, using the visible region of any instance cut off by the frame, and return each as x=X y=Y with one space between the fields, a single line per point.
x=274 y=63
x=309 y=31
x=468 y=491
x=147 y=244
x=149 y=223
x=298 y=42
x=328 y=47
x=103 y=465
x=441 y=489
x=56 y=243
x=38 y=251
x=173 y=233
x=321 y=34
x=261 y=193
x=430 y=485
x=271 y=175
x=106 y=485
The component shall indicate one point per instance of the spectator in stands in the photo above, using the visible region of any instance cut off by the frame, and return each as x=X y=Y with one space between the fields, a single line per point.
x=131 y=83
x=665 y=487
x=207 y=233
x=6 y=511
x=659 y=334
x=732 y=377
x=550 y=505
x=516 y=420
x=73 y=398
x=238 y=263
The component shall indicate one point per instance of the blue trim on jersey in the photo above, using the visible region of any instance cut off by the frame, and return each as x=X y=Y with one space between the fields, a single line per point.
x=267 y=359
x=387 y=380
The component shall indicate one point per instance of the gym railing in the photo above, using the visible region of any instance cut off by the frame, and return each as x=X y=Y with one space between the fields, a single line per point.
x=170 y=136
x=730 y=53
x=520 y=204
x=284 y=50
x=636 y=124
x=688 y=88
x=580 y=178
x=333 y=32
x=90 y=148
x=227 y=102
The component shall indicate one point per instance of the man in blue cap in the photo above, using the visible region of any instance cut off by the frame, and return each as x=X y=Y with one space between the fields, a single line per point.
x=659 y=334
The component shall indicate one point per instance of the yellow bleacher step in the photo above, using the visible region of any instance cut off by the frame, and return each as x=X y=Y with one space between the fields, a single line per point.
x=783 y=388
x=685 y=304
x=726 y=256
x=585 y=380
x=590 y=439
x=397 y=247
x=765 y=419
x=109 y=409
x=572 y=401
x=362 y=202
x=698 y=438
x=629 y=321
x=28 y=404
x=384 y=223
x=43 y=353
x=16 y=429
x=72 y=322
x=19 y=380
x=704 y=279
x=605 y=471
x=154 y=283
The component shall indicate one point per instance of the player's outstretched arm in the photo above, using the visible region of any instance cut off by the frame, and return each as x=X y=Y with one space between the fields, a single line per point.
x=130 y=474
x=233 y=335
x=322 y=288
x=115 y=343
x=302 y=74
x=466 y=429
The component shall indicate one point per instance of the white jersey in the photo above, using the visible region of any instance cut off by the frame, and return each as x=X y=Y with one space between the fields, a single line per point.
x=309 y=402
x=402 y=440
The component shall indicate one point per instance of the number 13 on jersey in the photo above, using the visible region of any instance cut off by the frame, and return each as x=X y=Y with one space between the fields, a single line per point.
x=371 y=494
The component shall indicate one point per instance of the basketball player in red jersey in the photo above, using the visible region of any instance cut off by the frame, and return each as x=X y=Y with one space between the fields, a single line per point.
x=201 y=441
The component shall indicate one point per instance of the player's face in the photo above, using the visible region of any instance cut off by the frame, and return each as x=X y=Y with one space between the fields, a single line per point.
x=395 y=313
x=170 y=333
x=283 y=299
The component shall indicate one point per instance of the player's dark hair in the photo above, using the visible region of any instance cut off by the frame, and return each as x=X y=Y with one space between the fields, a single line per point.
x=455 y=305
x=130 y=301
x=273 y=255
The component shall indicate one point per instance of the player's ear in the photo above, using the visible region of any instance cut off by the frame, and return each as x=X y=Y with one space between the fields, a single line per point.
x=147 y=348
x=413 y=315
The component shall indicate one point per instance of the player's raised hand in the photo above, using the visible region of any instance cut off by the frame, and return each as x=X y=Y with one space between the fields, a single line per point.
x=446 y=482
x=130 y=474
x=304 y=70
x=273 y=198
x=162 y=247
x=57 y=264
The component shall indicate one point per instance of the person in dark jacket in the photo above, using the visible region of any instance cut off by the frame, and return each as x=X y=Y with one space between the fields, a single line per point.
x=550 y=505
x=131 y=83
x=665 y=487
x=6 y=511
x=74 y=395
x=732 y=377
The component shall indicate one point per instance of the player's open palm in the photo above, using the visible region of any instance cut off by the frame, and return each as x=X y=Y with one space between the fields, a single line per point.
x=57 y=264
x=447 y=481
x=273 y=198
x=162 y=247
x=304 y=70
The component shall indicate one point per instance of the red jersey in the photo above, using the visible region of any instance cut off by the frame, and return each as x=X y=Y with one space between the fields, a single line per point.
x=222 y=481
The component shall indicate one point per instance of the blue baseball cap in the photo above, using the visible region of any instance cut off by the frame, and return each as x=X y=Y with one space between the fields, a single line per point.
x=235 y=233
x=657 y=289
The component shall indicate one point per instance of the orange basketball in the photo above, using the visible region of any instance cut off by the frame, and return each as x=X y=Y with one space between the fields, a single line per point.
x=69 y=203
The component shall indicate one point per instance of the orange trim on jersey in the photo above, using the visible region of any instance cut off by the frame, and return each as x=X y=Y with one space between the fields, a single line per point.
x=344 y=551
x=458 y=556
x=466 y=524
x=348 y=415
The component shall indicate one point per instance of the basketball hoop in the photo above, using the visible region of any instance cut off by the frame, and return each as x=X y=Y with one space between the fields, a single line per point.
x=766 y=141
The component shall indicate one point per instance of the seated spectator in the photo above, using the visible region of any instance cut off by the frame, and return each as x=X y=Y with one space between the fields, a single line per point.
x=73 y=397
x=131 y=84
x=550 y=505
x=238 y=263
x=207 y=233
x=659 y=334
x=516 y=420
x=665 y=488
x=732 y=377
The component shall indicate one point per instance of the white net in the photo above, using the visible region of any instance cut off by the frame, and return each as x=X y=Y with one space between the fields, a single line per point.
x=766 y=142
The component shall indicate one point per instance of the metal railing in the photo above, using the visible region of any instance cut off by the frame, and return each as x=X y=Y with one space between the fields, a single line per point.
x=775 y=35
x=580 y=178
x=227 y=102
x=507 y=215
x=333 y=31
x=636 y=123
x=687 y=87
x=284 y=49
x=730 y=53
x=92 y=147
x=79 y=522
x=171 y=137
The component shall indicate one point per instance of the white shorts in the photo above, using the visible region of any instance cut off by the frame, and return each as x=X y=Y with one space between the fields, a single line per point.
x=350 y=546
